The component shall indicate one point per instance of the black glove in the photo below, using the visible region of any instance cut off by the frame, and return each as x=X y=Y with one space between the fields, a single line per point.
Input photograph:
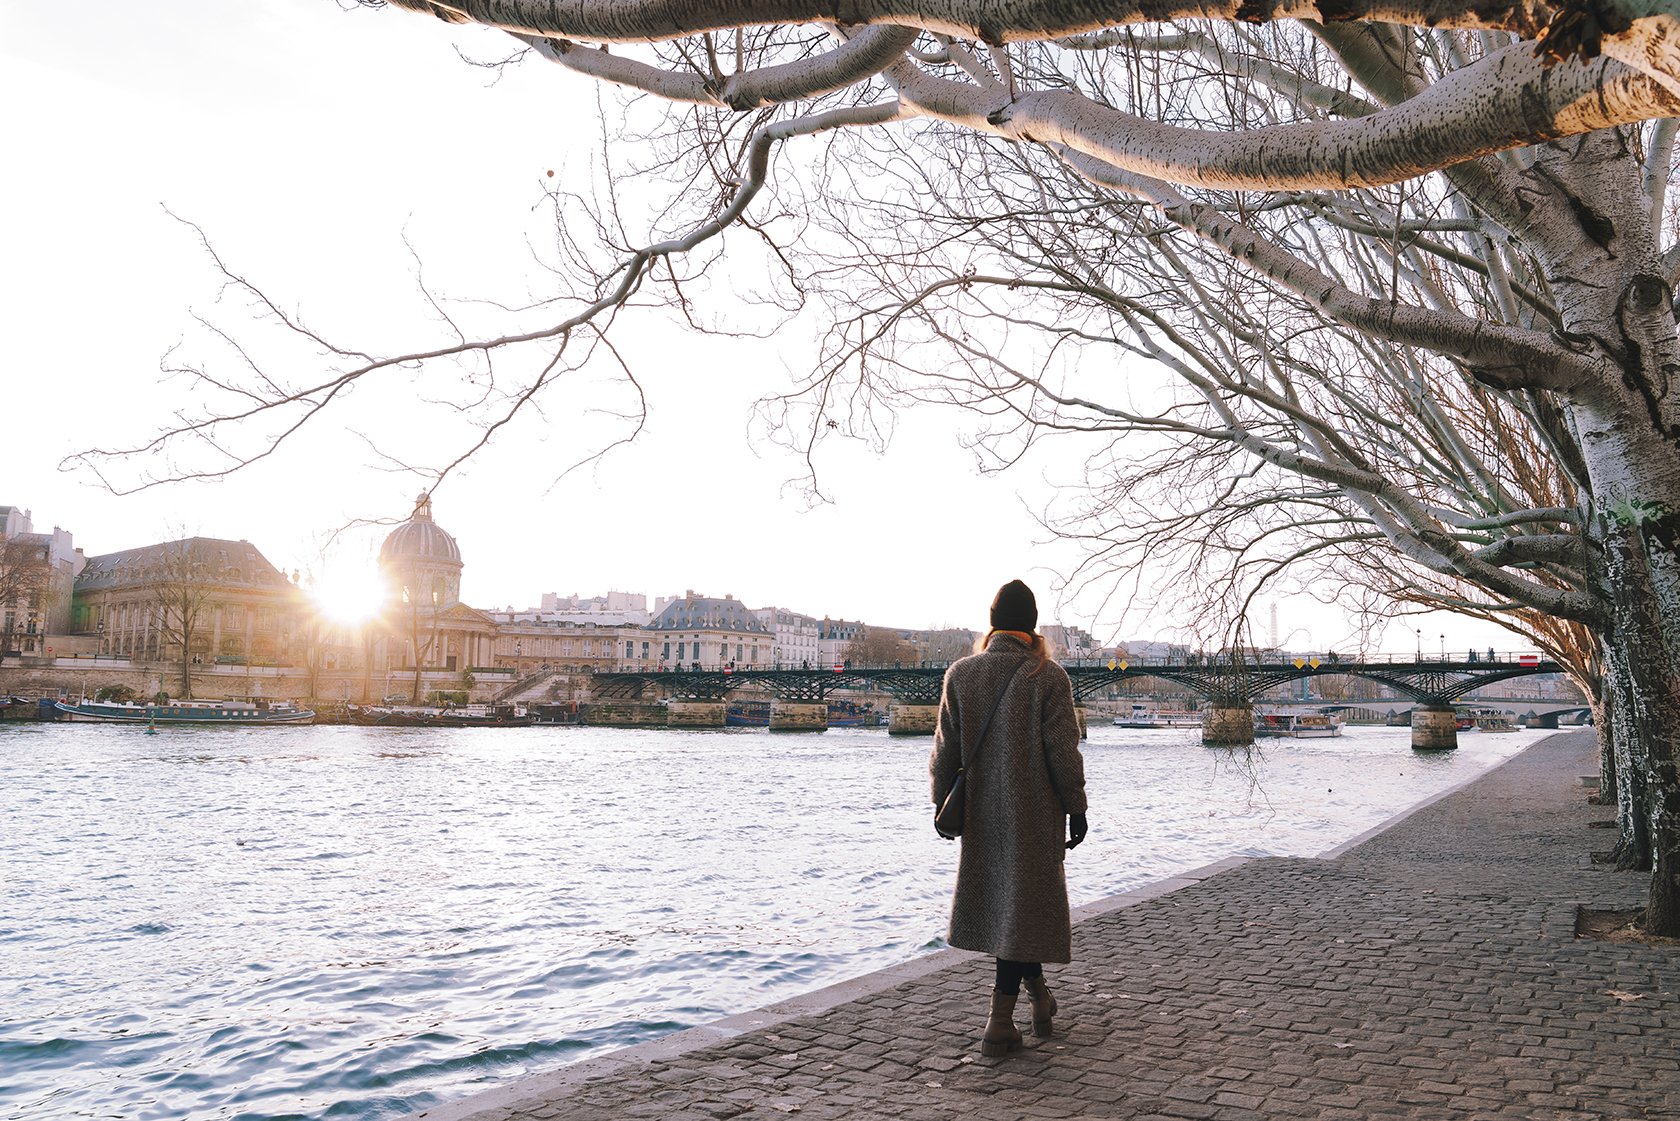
x=1076 y=829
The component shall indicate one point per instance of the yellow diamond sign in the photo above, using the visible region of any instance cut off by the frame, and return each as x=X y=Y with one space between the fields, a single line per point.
x=1299 y=662
x=1314 y=663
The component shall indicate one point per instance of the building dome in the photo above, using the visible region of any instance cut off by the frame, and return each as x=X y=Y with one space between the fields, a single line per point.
x=420 y=539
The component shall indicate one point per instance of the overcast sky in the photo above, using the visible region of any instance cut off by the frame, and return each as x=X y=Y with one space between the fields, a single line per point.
x=309 y=143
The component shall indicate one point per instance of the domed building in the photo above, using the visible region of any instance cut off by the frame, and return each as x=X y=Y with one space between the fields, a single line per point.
x=420 y=560
x=433 y=640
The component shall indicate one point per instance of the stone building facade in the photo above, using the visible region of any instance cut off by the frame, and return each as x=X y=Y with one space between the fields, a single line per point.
x=533 y=642
x=693 y=631
x=795 y=636
x=37 y=583
x=205 y=599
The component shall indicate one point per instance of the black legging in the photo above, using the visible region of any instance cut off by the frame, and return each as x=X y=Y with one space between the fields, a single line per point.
x=1010 y=974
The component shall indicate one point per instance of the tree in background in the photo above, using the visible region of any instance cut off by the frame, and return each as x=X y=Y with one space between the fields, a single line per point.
x=945 y=644
x=183 y=584
x=25 y=576
x=417 y=616
x=1389 y=222
x=879 y=646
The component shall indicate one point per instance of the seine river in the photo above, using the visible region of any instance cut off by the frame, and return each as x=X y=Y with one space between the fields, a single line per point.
x=356 y=922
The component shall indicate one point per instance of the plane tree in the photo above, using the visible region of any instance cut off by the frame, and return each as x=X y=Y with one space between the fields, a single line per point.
x=1287 y=454
x=25 y=582
x=879 y=646
x=183 y=583
x=1469 y=200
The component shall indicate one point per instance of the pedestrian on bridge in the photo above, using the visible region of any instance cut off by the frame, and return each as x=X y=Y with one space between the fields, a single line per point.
x=1024 y=781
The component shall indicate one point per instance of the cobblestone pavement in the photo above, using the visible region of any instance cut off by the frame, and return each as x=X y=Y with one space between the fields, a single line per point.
x=1429 y=972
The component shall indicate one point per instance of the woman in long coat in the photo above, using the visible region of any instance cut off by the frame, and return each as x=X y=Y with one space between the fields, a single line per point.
x=1025 y=807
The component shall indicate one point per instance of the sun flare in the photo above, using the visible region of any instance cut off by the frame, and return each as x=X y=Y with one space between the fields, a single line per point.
x=348 y=597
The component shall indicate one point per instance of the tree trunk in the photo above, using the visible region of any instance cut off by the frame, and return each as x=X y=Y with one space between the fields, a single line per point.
x=1618 y=738
x=1627 y=422
x=1608 y=772
x=1637 y=578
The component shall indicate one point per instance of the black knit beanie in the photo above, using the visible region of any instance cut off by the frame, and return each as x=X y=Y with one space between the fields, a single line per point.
x=1014 y=609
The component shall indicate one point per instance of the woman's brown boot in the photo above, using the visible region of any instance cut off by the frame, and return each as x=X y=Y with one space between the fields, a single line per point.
x=1043 y=1003
x=1001 y=1035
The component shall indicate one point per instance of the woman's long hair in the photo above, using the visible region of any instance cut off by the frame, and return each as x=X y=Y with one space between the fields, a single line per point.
x=1038 y=646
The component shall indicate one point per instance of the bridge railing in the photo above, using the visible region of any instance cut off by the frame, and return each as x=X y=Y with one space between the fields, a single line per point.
x=1325 y=659
x=1191 y=660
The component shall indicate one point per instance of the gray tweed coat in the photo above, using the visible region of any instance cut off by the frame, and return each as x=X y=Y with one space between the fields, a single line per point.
x=1011 y=897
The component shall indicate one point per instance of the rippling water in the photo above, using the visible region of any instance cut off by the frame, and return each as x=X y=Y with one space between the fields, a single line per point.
x=359 y=922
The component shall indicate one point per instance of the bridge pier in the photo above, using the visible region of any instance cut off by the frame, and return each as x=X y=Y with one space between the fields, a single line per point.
x=622 y=714
x=912 y=720
x=1434 y=728
x=798 y=716
x=696 y=714
x=1228 y=725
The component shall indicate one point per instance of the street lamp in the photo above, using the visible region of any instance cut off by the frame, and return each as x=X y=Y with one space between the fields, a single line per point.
x=1420 y=644
x=1443 y=648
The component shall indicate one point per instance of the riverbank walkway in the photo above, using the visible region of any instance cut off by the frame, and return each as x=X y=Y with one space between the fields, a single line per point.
x=1430 y=970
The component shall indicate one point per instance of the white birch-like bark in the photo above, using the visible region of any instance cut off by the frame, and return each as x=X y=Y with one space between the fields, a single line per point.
x=1649 y=42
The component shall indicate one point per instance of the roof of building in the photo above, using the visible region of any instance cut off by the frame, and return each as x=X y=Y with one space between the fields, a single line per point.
x=420 y=538
x=841 y=628
x=221 y=561
x=702 y=613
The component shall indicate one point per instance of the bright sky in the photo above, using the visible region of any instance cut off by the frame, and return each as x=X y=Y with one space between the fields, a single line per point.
x=308 y=142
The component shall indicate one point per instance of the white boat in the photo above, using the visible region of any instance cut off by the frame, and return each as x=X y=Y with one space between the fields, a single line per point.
x=185 y=712
x=1144 y=716
x=1495 y=722
x=1297 y=725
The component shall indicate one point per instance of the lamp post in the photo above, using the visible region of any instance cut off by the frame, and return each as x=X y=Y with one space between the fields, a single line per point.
x=1420 y=644
x=1443 y=648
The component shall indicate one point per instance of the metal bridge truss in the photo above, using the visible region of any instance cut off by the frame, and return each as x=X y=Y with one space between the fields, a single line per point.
x=1431 y=683
x=909 y=686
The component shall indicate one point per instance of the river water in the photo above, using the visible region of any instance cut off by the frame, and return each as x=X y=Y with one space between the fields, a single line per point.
x=360 y=922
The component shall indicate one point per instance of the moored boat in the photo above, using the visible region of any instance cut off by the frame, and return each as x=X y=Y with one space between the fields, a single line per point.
x=1143 y=716
x=850 y=714
x=458 y=716
x=1297 y=725
x=747 y=714
x=184 y=712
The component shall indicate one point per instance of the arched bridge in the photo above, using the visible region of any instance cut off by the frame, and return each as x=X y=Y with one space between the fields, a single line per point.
x=1434 y=682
